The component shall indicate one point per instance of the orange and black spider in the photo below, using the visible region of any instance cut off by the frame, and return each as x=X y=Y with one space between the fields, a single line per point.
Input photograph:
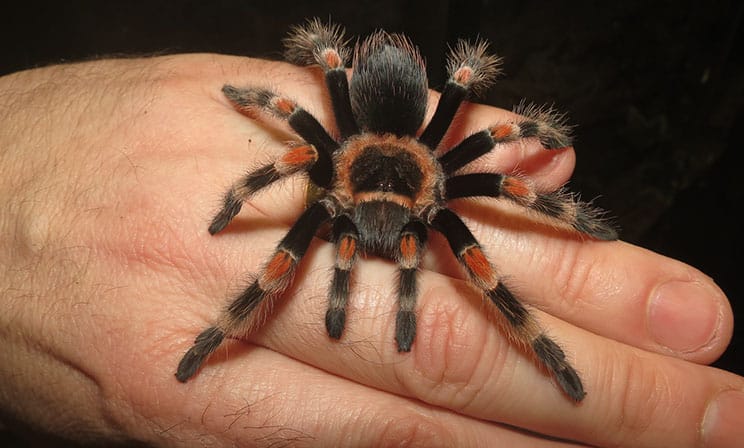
x=382 y=187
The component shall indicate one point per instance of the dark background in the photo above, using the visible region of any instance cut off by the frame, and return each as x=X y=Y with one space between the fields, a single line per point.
x=656 y=89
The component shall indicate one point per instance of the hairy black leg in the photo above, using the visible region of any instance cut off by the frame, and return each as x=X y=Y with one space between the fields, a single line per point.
x=298 y=158
x=273 y=280
x=300 y=120
x=521 y=323
x=469 y=68
x=559 y=205
x=204 y=344
x=338 y=88
x=466 y=151
x=412 y=241
x=452 y=96
x=544 y=124
x=346 y=238
x=325 y=45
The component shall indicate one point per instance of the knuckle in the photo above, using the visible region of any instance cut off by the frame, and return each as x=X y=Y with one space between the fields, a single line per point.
x=641 y=393
x=572 y=275
x=413 y=429
x=451 y=336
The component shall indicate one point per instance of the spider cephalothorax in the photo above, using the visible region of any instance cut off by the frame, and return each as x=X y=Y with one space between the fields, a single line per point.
x=382 y=186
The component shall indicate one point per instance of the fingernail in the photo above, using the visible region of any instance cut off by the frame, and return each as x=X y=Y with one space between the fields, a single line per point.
x=682 y=316
x=722 y=424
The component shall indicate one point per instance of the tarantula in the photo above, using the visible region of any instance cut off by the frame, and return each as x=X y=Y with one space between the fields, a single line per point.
x=382 y=186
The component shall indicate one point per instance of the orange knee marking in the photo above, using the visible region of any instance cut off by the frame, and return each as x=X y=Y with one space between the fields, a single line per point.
x=408 y=249
x=346 y=249
x=284 y=105
x=332 y=59
x=299 y=156
x=516 y=187
x=279 y=266
x=478 y=264
x=463 y=75
x=501 y=131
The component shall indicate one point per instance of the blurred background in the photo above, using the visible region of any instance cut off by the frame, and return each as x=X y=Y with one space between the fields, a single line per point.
x=656 y=89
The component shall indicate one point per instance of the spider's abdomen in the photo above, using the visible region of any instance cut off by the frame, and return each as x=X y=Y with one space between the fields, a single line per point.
x=388 y=88
x=380 y=224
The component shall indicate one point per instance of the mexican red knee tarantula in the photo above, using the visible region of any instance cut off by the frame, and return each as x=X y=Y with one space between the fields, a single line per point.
x=382 y=187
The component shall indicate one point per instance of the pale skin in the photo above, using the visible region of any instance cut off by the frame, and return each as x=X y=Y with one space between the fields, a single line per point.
x=112 y=171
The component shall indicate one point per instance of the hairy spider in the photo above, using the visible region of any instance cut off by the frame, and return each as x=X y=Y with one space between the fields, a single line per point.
x=381 y=186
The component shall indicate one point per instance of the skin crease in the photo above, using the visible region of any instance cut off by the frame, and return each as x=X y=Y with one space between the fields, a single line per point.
x=112 y=171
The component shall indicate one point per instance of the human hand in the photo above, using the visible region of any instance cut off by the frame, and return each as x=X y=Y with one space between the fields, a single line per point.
x=113 y=170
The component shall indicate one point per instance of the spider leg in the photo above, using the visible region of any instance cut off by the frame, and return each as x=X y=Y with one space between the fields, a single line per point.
x=523 y=326
x=300 y=120
x=558 y=205
x=470 y=68
x=325 y=45
x=412 y=241
x=346 y=238
x=543 y=124
x=299 y=158
x=274 y=279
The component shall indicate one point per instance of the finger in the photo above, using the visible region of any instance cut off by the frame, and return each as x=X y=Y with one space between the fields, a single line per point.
x=549 y=169
x=614 y=289
x=461 y=361
x=262 y=398
x=611 y=288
